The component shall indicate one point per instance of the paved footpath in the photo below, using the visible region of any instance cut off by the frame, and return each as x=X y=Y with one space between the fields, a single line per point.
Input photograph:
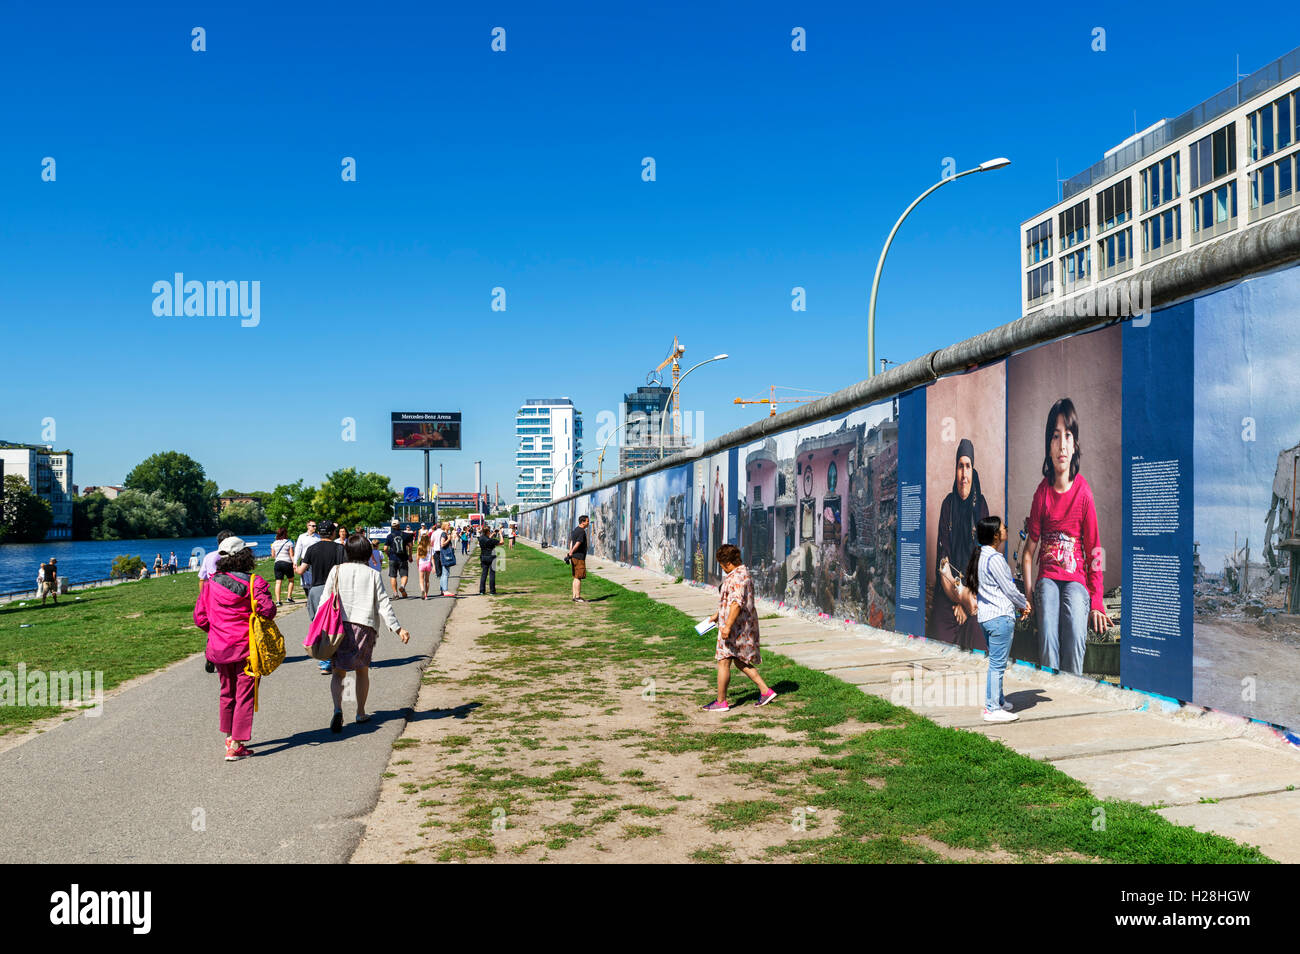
x=146 y=781
x=1210 y=771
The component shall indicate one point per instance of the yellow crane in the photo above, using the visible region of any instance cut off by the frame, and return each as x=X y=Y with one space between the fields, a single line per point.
x=653 y=378
x=774 y=400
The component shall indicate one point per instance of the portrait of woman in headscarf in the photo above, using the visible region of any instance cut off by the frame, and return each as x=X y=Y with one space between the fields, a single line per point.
x=962 y=509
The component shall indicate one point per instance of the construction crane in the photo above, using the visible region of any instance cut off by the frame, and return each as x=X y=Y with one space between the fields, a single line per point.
x=654 y=379
x=774 y=400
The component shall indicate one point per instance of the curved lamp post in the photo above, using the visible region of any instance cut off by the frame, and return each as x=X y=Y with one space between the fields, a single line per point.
x=668 y=403
x=556 y=479
x=600 y=461
x=875 y=282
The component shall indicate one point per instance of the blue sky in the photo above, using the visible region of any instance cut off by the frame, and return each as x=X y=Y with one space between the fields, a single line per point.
x=522 y=170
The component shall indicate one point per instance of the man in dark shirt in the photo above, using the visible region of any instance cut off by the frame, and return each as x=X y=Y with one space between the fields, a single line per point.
x=399 y=557
x=50 y=579
x=577 y=557
x=487 y=555
x=321 y=557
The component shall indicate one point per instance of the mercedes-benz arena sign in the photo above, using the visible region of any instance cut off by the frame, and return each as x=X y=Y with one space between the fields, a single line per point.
x=426 y=430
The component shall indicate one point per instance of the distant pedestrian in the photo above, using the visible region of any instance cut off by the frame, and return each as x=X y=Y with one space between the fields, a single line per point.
x=446 y=559
x=989 y=579
x=577 y=558
x=464 y=541
x=341 y=537
x=322 y=556
x=514 y=532
x=49 y=577
x=737 y=629
x=171 y=563
x=282 y=552
x=157 y=566
x=487 y=558
x=222 y=611
x=424 y=563
x=399 y=558
x=435 y=551
x=365 y=603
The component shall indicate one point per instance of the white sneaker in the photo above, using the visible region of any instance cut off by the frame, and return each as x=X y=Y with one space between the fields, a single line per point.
x=999 y=715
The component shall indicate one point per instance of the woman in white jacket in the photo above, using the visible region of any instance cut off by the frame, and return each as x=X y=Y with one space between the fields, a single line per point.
x=364 y=602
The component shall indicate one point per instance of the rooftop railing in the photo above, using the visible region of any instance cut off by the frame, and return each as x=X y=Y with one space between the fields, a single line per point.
x=1260 y=81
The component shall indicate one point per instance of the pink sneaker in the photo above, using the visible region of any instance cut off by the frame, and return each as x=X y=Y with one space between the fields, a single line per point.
x=236 y=751
x=716 y=706
x=766 y=698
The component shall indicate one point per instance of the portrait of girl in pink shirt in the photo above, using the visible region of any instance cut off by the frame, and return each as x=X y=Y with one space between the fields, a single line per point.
x=1063 y=536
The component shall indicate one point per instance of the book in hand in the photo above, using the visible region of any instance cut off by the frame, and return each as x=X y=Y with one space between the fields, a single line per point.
x=705 y=626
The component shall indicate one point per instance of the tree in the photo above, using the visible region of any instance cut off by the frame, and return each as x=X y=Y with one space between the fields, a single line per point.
x=514 y=510
x=179 y=479
x=291 y=505
x=242 y=518
x=88 y=516
x=25 y=517
x=134 y=514
x=353 y=499
x=126 y=567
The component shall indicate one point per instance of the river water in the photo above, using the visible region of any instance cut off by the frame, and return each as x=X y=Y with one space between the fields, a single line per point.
x=84 y=560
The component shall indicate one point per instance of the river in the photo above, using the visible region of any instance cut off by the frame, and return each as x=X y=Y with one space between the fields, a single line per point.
x=84 y=560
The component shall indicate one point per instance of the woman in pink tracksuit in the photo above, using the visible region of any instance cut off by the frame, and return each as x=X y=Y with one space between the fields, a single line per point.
x=222 y=612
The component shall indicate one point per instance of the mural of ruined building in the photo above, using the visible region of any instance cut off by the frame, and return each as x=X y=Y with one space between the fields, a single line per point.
x=818 y=527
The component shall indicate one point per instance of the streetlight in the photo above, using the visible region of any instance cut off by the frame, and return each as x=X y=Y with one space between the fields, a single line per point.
x=556 y=479
x=600 y=461
x=668 y=403
x=875 y=282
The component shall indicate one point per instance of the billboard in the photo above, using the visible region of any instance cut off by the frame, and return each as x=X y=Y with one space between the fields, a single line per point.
x=426 y=430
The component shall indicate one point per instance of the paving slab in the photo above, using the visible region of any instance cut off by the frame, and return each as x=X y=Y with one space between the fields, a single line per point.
x=1099 y=733
x=1185 y=774
x=1268 y=821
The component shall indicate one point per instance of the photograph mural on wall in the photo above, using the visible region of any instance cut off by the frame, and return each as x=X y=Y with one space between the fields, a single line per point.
x=818 y=515
x=660 y=535
x=966 y=441
x=603 y=532
x=1245 y=594
x=708 y=509
x=1064 y=468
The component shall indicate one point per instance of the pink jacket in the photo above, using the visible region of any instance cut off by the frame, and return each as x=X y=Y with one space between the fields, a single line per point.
x=222 y=612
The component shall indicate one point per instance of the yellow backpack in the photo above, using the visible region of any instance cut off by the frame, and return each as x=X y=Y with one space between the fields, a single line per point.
x=265 y=644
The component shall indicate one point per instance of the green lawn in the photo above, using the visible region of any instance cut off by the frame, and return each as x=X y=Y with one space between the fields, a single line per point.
x=124 y=631
x=891 y=787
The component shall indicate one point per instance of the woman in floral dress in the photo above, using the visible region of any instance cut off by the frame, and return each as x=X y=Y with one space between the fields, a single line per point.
x=737 y=629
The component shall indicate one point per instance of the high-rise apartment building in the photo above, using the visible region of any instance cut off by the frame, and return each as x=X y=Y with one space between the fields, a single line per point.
x=1224 y=165
x=549 y=454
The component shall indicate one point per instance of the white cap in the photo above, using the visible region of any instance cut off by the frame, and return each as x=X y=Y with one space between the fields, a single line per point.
x=231 y=545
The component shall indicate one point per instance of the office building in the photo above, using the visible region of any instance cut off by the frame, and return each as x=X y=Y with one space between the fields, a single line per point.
x=549 y=453
x=1224 y=165
x=49 y=473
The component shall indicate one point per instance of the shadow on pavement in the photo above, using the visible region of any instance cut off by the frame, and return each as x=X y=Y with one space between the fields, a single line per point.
x=460 y=712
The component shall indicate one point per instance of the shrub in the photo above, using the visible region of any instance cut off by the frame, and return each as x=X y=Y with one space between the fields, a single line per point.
x=127 y=567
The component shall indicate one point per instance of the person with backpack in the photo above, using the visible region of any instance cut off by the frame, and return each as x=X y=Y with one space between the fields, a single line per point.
x=364 y=603
x=488 y=541
x=222 y=611
x=995 y=593
x=464 y=541
x=399 y=558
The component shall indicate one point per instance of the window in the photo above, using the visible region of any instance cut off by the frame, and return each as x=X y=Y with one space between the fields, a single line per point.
x=1217 y=205
x=1271 y=182
x=1038 y=242
x=1075 y=266
x=1115 y=205
x=1074 y=225
x=1160 y=230
x=1271 y=128
x=1115 y=250
x=758 y=494
x=1039 y=282
x=1160 y=182
x=1214 y=156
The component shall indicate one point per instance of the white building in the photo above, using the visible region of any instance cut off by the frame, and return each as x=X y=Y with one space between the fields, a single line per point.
x=49 y=473
x=550 y=441
x=1224 y=165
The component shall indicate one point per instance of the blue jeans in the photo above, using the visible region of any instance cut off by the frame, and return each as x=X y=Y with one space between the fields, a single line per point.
x=444 y=581
x=997 y=632
x=1062 y=607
